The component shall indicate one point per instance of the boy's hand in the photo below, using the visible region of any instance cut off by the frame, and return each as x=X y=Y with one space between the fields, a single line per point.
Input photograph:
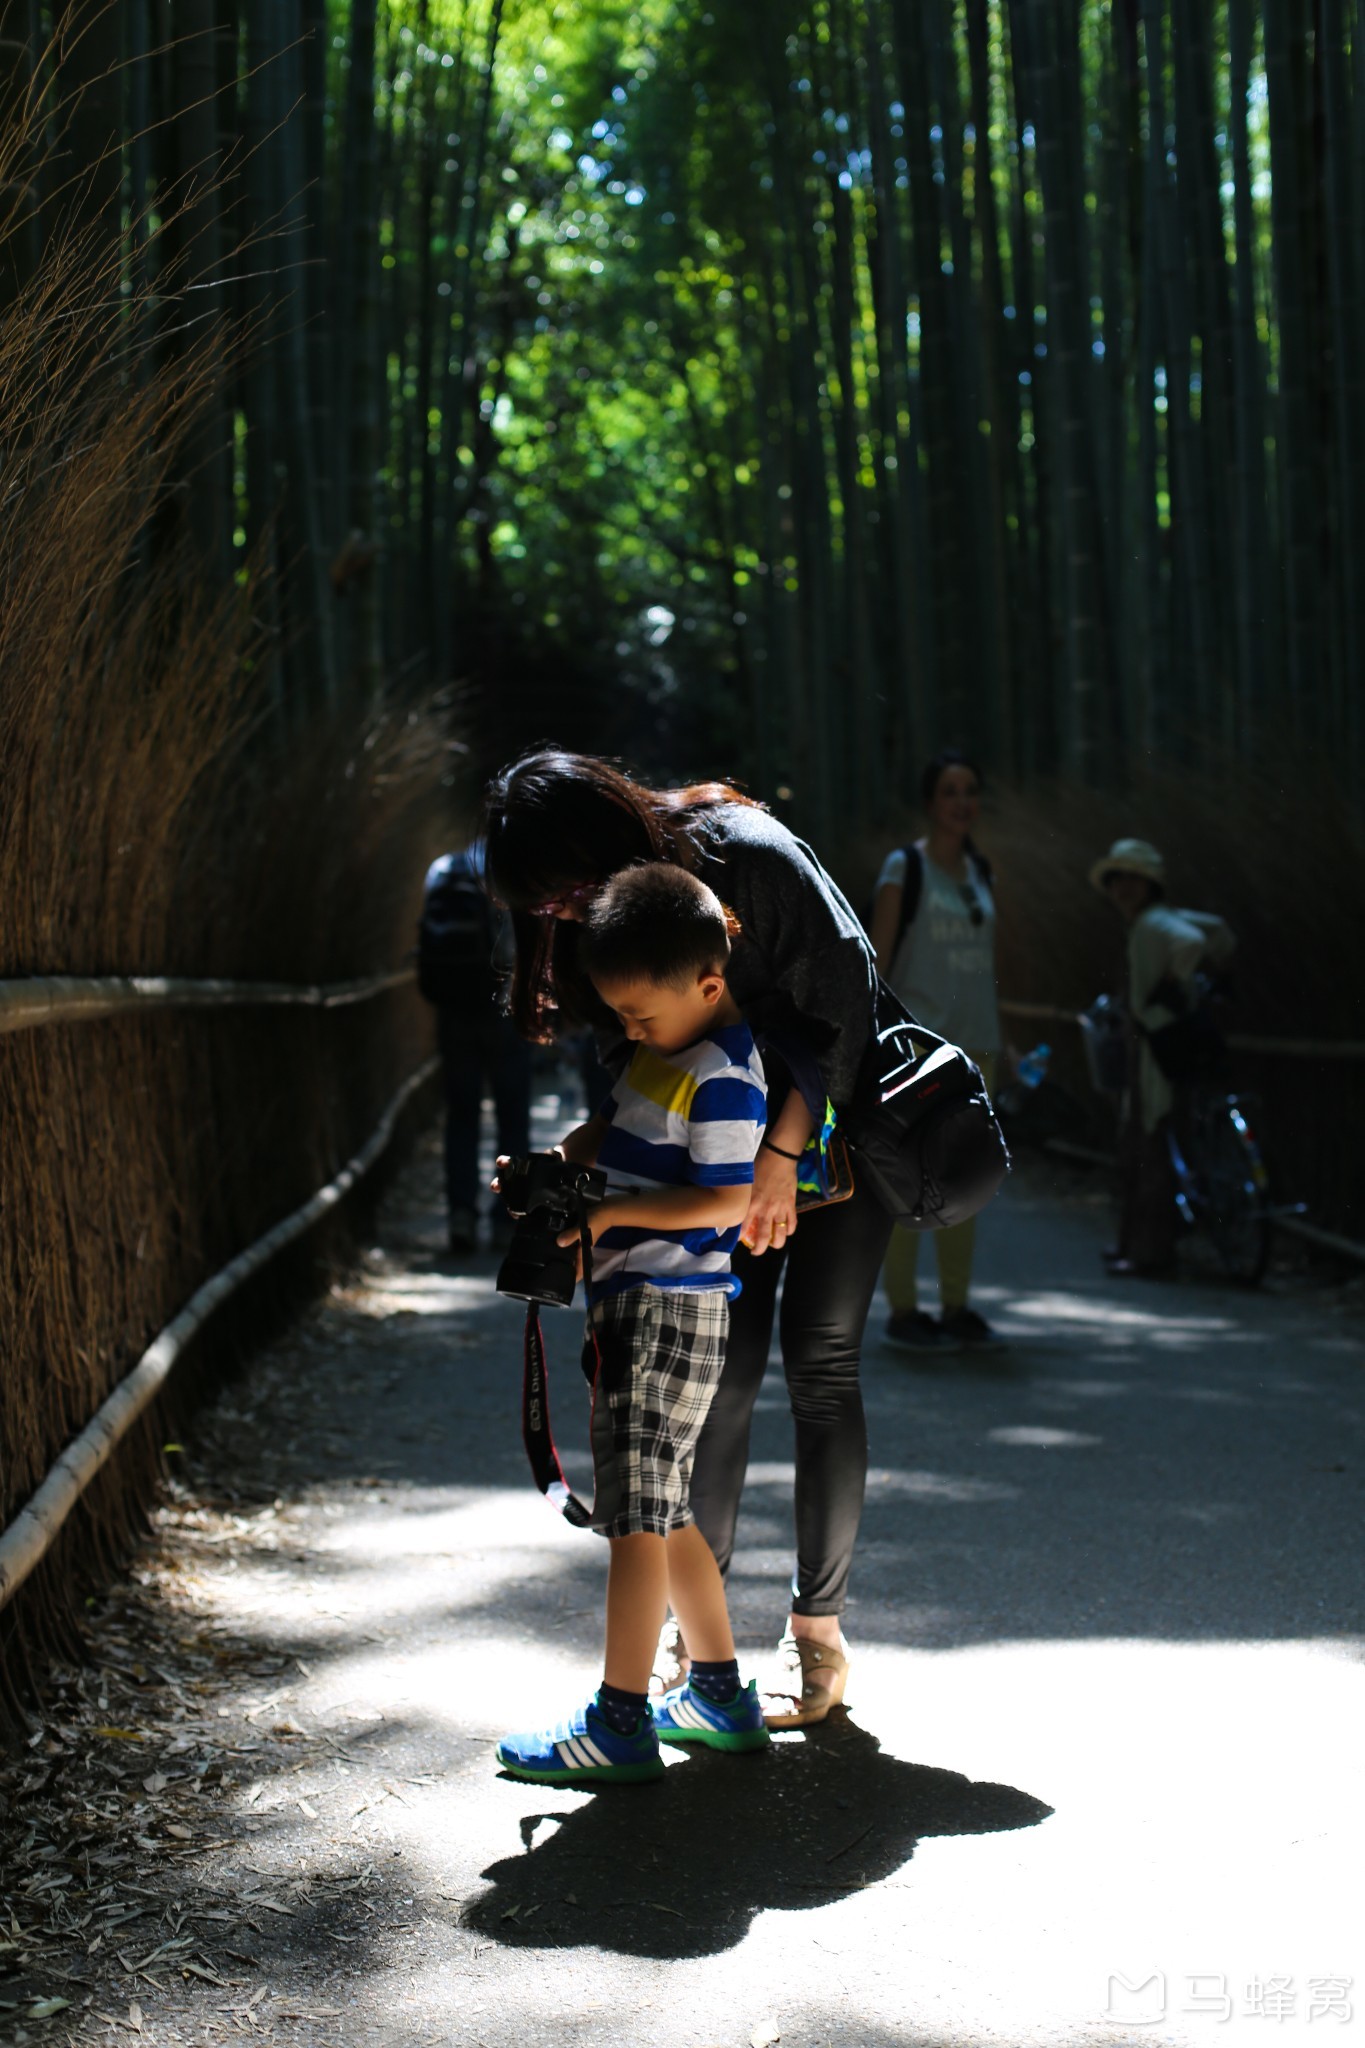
x=575 y=1246
x=570 y=1240
x=599 y=1219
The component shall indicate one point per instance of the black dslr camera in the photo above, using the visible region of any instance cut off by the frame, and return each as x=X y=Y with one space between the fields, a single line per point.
x=547 y=1196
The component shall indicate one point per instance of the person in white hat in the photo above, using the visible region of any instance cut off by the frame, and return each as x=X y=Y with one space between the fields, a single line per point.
x=1166 y=949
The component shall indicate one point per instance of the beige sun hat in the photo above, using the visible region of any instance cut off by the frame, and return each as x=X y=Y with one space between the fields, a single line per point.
x=1130 y=857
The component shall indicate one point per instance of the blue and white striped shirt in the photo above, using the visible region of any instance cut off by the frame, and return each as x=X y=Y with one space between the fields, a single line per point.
x=688 y=1119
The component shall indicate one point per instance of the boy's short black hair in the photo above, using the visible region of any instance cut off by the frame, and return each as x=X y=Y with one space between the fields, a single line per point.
x=654 y=922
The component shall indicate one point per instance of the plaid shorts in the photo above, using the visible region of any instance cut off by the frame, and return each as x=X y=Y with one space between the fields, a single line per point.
x=662 y=1350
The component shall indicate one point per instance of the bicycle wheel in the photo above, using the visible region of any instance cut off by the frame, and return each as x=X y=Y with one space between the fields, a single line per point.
x=1237 y=1214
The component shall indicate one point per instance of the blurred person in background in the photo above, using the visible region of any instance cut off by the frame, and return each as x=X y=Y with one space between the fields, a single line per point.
x=1167 y=950
x=933 y=931
x=459 y=942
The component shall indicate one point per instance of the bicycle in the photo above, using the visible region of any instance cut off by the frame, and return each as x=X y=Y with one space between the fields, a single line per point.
x=1222 y=1183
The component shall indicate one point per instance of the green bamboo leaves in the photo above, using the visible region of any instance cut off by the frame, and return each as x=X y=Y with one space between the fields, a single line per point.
x=974 y=369
x=1048 y=413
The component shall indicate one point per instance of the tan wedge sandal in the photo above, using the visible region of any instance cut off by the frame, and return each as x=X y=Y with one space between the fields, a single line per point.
x=794 y=1700
x=672 y=1660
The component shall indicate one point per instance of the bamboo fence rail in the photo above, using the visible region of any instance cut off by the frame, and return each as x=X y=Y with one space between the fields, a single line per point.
x=1311 y=1233
x=29 y=1537
x=38 y=1000
x=66 y=999
x=1273 y=1048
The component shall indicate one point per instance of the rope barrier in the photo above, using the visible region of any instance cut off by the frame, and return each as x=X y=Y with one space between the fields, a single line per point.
x=1274 y=1048
x=1330 y=1240
x=66 y=999
x=1311 y=1233
x=29 y=1537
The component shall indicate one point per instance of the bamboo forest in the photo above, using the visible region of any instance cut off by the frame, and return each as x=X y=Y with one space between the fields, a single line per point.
x=779 y=391
x=793 y=569
x=823 y=379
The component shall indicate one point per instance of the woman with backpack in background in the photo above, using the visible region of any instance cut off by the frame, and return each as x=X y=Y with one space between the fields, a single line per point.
x=933 y=931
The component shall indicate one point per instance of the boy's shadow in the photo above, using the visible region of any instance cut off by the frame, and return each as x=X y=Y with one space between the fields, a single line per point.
x=681 y=1867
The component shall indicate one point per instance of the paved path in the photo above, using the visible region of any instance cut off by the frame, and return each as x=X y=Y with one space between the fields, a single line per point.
x=1108 y=1698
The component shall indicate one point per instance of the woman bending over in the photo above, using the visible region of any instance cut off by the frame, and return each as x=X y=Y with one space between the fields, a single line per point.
x=557 y=826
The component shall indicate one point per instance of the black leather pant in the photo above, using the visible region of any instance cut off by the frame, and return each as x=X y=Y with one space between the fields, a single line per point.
x=831 y=1265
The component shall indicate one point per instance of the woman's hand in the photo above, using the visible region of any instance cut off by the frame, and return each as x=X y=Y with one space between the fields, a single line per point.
x=505 y=1158
x=771 y=1216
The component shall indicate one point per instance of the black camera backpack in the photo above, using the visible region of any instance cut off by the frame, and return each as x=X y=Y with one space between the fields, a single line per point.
x=923 y=1133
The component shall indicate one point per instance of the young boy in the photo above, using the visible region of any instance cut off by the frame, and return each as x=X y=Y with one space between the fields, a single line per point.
x=677 y=1138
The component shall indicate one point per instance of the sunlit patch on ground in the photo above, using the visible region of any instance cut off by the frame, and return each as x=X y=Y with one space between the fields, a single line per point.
x=1106 y=1698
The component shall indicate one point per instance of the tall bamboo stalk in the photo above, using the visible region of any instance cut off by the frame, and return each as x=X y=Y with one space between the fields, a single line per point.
x=904 y=737
x=1087 y=709
x=199 y=304
x=1346 y=304
x=924 y=271
x=310 y=653
x=1251 y=540
x=999 y=410
x=1295 y=438
x=90 y=76
x=1189 y=511
x=365 y=407
x=21 y=41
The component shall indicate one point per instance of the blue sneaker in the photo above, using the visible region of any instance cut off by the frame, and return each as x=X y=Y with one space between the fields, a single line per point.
x=685 y=1715
x=584 y=1750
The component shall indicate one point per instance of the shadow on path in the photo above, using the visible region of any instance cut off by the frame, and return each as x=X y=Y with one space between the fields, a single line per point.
x=681 y=1867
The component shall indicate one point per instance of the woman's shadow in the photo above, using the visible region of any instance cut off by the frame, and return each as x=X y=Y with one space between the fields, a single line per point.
x=681 y=1867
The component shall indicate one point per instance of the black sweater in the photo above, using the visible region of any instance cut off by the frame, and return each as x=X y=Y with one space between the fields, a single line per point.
x=802 y=967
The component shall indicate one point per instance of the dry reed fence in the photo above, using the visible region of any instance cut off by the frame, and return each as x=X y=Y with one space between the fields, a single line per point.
x=157 y=818
x=1277 y=852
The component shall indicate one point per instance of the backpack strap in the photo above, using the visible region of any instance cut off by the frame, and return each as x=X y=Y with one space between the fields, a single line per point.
x=912 y=888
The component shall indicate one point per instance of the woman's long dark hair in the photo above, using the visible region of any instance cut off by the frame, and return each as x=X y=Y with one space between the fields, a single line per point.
x=554 y=821
x=934 y=771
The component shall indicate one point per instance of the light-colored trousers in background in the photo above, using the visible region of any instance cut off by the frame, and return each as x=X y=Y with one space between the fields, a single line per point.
x=954 y=1247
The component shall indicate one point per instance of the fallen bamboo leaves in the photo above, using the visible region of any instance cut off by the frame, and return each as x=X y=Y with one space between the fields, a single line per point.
x=94 y=1846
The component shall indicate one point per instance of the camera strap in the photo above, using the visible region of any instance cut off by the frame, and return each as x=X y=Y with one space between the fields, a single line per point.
x=536 y=1433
